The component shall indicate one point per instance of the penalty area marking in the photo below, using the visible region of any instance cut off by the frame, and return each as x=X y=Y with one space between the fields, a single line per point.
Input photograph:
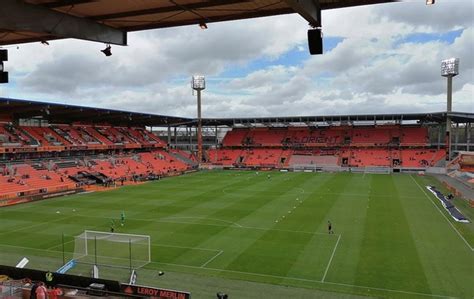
x=330 y=259
x=441 y=212
x=211 y=259
x=185 y=247
x=302 y=279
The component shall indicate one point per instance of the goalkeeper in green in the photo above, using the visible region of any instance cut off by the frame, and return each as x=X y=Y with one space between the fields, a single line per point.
x=122 y=218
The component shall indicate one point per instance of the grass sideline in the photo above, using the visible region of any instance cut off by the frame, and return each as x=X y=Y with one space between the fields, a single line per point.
x=223 y=228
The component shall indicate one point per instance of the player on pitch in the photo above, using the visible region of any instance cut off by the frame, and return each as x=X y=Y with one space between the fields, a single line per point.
x=112 y=225
x=122 y=218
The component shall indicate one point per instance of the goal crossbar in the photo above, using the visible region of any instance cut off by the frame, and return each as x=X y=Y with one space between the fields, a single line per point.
x=113 y=249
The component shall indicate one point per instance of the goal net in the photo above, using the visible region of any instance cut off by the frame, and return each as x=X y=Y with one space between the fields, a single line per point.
x=112 y=249
x=377 y=170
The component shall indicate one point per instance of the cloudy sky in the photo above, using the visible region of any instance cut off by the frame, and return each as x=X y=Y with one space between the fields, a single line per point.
x=378 y=59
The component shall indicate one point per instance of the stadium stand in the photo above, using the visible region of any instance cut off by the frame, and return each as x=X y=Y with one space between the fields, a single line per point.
x=50 y=159
x=71 y=148
x=235 y=137
x=297 y=160
x=226 y=157
x=362 y=146
x=184 y=155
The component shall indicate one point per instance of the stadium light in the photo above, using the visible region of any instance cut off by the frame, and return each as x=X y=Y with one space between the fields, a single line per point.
x=107 y=51
x=449 y=69
x=198 y=83
x=430 y=2
x=203 y=25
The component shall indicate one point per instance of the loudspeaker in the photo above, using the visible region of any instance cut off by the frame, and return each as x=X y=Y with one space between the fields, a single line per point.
x=3 y=77
x=3 y=55
x=315 y=41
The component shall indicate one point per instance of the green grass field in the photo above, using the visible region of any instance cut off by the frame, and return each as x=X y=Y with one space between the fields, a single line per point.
x=249 y=236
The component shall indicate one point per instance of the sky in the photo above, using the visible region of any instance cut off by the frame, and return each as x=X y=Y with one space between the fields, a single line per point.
x=377 y=59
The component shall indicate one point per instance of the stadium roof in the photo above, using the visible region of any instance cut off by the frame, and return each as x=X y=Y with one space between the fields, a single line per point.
x=63 y=113
x=108 y=20
x=435 y=117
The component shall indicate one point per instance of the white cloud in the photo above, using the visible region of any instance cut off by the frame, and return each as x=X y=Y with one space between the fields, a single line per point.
x=367 y=72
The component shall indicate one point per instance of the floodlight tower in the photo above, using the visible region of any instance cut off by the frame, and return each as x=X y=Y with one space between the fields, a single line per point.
x=199 y=84
x=449 y=69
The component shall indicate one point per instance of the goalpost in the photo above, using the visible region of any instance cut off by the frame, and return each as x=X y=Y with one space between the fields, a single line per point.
x=112 y=249
x=377 y=170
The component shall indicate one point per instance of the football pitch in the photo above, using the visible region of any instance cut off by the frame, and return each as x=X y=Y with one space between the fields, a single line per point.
x=265 y=235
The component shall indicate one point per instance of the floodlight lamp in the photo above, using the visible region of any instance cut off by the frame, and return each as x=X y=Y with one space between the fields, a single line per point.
x=198 y=82
x=107 y=51
x=203 y=25
x=430 y=2
x=450 y=67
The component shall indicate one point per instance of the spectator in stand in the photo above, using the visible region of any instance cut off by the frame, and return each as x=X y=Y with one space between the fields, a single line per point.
x=54 y=293
x=41 y=291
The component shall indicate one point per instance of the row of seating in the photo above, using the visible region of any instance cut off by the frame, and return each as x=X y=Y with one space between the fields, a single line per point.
x=31 y=178
x=24 y=180
x=328 y=136
x=70 y=137
x=354 y=157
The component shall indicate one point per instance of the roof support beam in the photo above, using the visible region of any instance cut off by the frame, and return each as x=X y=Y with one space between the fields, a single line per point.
x=63 y=3
x=229 y=17
x=20 y=16
x=308 y=9
x=172 y=8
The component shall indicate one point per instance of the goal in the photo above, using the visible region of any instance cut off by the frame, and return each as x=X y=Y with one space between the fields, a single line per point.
x=112 y=249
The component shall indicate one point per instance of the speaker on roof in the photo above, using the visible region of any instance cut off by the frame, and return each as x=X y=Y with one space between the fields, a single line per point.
x=315 y=41
x=3 y=77
x=3 y=55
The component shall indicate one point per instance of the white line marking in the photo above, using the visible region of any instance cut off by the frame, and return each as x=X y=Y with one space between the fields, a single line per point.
x=185 y=247
x=330 y=259
x=389 y=290
x=285 y=230
x=60 y=244
x=441 y=212
x=211 y=259
x=203 y=218
x=263 y=275
x=208 y=224
x=30 y=248
x=305 y=280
